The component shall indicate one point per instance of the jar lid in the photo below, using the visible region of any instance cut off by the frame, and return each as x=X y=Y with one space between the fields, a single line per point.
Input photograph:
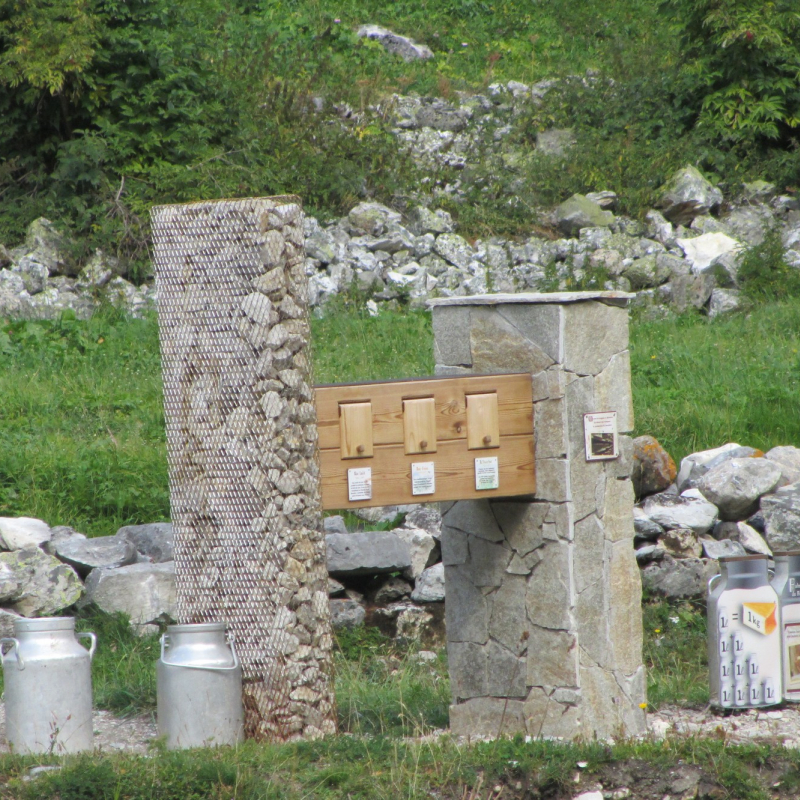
x=785 y=553
x=757 y=557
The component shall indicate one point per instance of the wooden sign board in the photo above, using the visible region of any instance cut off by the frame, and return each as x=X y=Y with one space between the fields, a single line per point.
x=426 y=440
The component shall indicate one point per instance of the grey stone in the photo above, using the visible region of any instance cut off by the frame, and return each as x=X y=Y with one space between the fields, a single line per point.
x=20 y=533
x=723 y=301
x=646 y=272
x=454 y=249
x=334 y=588
x=580 y=212
x=154 y=540
x=487 y=716
x=677 y=579
x=7 y=622
x=555 y=143
x=690 y=291
x=84 y=555
x=498 y=346
x=424 y=220
x=751 y=539
x=648 y=553
x=334 y=524
x=546 y=718
x=371 y=218
x=506 y=673
x=736 y=485
x=653 y=467
x=681 y=543
x=423 y=549
x=144 y=591
x=346 y=614
x=467 y=662
x=644 y=527
x=440 y=116
x=46 y=586
x=455 y=547
x=612 y=390
x=521 y=522
x=588 y=552
x=605 y=199
x=34 y=274
x=702 y=251
x=474 y=517
x=550 y=428
x=396 y=44
x=788 y=459
x=594 y=333
x=713 y=548
x=507 y=622
x=540 y=324
x=366 y=553
x=430 y=586
x=451 y=332
x=488 y=561
x=10 y=582
x=425 y=518
x=674 y=511
x=686 y=195
x=553 y=657
x=59 y=534
x=781 y=512
x=694 y=466
x=50 y=247
x=466 y=607
x=548 y=598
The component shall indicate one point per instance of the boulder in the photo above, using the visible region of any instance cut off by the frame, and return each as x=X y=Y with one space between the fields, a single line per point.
x=644 y=527
x=19 y=533
x=426 y=518
x=334 y=524
x=396 y=44
x=678 y=579
x=788 y=459
x=46 y=585
x=454 y=249
x=387 y=590
x=702 y=251
x=366 y=553
x=694 y=466
x=650 y=552
x=106 y=552
x=334 y=588
x=751 y=539
x=686 y=195
x=346 y=614
x=7 y=622
x=735 y=485
x=722 y=548
x=424 y=550
x=653 y=468
x=580 y=212
x=155 y=540
x=430 y=585
x=723 y=301
x=423 y=221
x=59 y=534
x=145 y=592
x=10 y=582
x=675 y=511
x=781 y=512
x=49 y=247
x=371 y=218
x=681 y=543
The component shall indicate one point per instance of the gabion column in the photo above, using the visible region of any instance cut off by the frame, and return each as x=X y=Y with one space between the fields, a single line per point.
x=543 y=612
x=242 y=450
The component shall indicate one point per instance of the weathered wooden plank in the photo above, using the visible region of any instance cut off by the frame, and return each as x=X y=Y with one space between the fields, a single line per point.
x=514 y=406
x=455 y=473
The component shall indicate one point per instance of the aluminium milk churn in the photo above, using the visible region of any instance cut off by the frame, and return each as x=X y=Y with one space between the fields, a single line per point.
x=787 y=585
x=744 y=656
x=199 y=687
x=48 y=686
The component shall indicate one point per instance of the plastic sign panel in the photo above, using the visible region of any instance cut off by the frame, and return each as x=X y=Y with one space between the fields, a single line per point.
x=600 y=433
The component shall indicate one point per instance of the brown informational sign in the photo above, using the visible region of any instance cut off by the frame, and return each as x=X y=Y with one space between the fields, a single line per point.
x=426 y=440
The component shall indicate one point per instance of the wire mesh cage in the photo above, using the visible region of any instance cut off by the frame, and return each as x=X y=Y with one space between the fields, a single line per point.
x=242 y=449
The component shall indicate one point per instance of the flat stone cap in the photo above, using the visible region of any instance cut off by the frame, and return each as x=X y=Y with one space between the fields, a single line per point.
x=620 y=299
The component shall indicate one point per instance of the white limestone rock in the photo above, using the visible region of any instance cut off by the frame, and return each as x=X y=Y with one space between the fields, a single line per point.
x=736 y=485
x=675 y=511
x=19 y=533
x=430 y=585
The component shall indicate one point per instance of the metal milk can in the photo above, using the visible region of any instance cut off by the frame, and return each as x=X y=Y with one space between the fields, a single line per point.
x=48 y=686
x=199 y=687
x=744 y=656
x=787 y=585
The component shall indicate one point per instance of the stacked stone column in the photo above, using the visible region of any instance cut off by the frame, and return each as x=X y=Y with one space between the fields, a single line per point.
x=543 y=612
x=242 y=450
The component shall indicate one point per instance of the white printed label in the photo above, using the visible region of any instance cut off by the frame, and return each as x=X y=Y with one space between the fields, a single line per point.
x=423 y=478
x=600 y=436
x=359 y=484
x=487 y=473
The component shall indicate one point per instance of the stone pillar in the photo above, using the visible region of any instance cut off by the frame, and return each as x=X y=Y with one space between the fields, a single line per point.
x=543 y=612
x=242 y=450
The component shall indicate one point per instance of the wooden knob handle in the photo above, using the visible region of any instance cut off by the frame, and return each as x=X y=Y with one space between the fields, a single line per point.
x=360 y=448
x=458 y=427
x=423 y=444
x=487 y=439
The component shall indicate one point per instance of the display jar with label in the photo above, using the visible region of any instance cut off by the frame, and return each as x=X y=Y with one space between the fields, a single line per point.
x=744 y=635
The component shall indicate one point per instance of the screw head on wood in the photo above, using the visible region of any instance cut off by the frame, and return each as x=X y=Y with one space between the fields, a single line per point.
x=487 y=439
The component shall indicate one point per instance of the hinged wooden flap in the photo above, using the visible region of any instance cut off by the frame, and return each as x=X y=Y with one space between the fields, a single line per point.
x=483 y=426
x=355 y=430
x=419 y=425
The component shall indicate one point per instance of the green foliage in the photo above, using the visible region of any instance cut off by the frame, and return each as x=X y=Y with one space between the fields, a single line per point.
x=763 y=272
x=742 y=65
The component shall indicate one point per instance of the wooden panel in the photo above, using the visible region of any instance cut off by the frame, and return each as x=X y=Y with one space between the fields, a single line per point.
x=514 y=405
x=419 y=425
x=355 y=430
x=483 y=428
x=455 y=474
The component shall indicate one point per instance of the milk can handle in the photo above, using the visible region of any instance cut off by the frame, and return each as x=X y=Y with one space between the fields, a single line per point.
x=711 y=581
x=3 y=654
x=93 y=646
x=165 y=638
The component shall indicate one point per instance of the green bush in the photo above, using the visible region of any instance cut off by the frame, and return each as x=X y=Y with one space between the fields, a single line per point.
x=741 y=65
x=764 y=274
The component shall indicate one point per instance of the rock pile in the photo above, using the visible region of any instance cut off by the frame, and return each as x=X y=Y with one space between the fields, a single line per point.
x=731 y=500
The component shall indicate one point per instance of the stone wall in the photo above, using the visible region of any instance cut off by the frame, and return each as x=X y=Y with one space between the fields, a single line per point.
x=242 y=449
x=543 y=612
